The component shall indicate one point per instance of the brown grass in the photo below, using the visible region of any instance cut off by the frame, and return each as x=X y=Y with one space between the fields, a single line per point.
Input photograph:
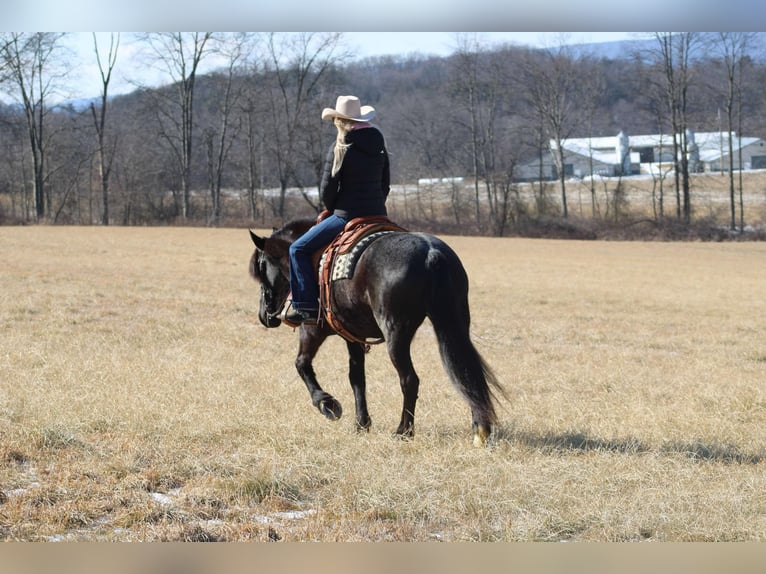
x=141 y=400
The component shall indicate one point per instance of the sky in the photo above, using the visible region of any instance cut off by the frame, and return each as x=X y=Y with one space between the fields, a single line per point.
x=85 y=81
x=443 y=43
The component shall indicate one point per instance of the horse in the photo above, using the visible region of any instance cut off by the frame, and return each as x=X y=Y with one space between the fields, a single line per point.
x=400 y=279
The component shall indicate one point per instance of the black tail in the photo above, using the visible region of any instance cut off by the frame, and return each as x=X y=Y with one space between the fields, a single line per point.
x=450 y=316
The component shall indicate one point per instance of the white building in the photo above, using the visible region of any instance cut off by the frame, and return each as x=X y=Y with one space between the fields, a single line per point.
x=631 y=155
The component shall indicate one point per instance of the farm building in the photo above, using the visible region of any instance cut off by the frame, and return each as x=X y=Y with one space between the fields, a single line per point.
x=645 y=154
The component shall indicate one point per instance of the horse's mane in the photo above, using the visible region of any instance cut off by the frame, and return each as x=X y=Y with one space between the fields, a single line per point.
x=291 y=230
x=279 y=242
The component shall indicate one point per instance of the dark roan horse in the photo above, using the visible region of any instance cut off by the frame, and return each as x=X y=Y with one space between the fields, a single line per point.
x=399 y=280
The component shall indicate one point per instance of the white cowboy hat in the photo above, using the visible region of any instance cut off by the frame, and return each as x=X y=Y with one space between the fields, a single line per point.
x=349 y=108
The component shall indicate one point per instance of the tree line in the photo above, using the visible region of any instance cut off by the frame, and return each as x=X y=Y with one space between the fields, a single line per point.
x=244 y=144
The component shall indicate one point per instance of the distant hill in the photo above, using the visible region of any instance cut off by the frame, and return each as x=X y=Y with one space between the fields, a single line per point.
x=623 y=49
x=616 y=50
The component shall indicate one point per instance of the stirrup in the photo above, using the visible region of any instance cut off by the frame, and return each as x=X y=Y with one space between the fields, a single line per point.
x=302 y=316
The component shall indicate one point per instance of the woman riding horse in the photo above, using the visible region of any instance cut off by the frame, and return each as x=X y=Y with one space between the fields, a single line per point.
x=399 y=280
x=355 y=183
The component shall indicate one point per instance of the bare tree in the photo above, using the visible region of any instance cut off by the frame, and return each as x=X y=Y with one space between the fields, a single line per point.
x=69 y=167
x=595 y=84
x=180 y=54
x=550 y=81
x=732 y=49
x=252 y=111
x=745 y=70
x=13 y=167
x=466 y=74
x=30 y=73
x=673 y=55
x=427 y=145
x=220 y=139
x=106 y=150
x=297 y=64
x=481 y=88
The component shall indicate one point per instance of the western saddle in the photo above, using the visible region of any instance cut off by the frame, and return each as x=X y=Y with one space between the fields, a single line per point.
x=338 y=261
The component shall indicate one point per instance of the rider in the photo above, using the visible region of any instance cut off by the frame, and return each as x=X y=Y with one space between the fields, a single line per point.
x=355 y=183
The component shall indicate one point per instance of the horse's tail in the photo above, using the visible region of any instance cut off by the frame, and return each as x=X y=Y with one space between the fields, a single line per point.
x=450 y=316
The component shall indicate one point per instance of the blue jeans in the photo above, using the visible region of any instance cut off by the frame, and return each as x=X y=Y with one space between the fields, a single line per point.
x=303 y=278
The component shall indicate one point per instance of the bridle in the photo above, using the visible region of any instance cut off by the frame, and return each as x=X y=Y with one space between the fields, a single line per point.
x=268 y=280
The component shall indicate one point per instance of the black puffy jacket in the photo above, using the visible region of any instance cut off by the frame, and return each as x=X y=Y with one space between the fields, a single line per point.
x=361 y=186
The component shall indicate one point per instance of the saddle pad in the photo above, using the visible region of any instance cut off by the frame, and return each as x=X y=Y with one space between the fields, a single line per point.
x=345 y=263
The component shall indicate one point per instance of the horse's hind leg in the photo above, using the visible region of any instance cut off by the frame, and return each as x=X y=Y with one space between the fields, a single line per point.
x=311 y=338
x=357 y=379
x=399 y=341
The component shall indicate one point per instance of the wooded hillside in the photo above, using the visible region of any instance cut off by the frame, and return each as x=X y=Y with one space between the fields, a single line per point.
x=244 y=145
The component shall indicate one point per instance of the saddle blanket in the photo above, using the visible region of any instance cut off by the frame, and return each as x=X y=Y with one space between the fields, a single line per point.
x=345 y=263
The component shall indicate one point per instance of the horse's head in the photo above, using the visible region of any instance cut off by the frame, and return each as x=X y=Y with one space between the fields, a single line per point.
x=269 y=265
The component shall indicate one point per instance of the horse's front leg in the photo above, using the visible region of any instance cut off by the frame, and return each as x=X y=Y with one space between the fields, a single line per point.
x=356 y=377
x=311 y=338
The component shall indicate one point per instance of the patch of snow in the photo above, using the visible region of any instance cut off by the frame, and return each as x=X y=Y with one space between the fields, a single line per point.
x=288 y=515
x=161 y=498
x=295 y=514
x=165 y=499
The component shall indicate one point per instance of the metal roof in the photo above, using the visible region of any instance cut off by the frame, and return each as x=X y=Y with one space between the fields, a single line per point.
x=603 y=149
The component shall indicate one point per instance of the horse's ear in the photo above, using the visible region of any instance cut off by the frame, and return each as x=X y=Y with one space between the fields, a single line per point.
x=260 y=242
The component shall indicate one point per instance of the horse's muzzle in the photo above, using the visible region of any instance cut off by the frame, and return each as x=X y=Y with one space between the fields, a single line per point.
x=269 y=320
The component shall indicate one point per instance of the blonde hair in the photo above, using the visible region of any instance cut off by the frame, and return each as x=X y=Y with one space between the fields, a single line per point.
x=344 y=126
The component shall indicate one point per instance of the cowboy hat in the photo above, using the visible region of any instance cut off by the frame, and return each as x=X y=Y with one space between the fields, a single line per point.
x=349 y=108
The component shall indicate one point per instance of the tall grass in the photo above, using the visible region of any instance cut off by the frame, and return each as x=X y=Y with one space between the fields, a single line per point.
x=140 y=399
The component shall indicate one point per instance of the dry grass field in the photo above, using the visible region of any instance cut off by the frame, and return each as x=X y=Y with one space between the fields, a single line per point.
x=141 y=400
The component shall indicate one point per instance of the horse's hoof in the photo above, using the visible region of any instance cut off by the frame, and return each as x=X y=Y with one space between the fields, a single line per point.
x=363 y=427
x=480 y=437
x=405 y=434
x=330 y=408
